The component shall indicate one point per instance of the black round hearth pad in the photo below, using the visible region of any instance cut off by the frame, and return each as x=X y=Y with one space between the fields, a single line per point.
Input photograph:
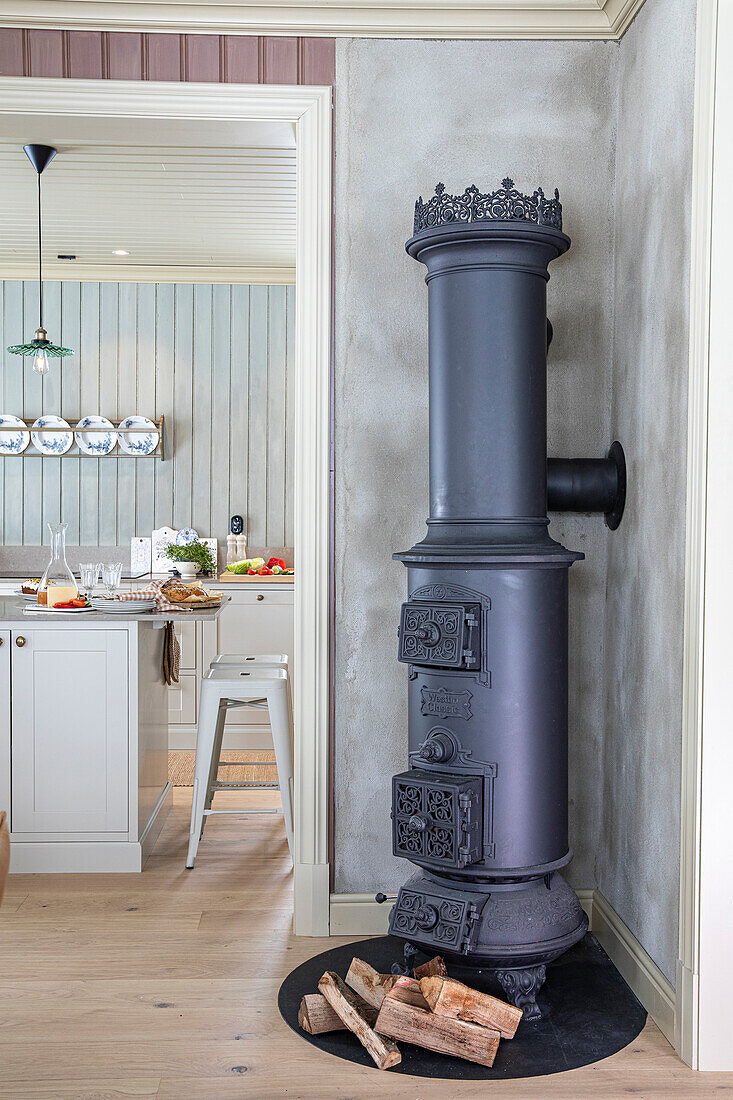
x=588 y=1013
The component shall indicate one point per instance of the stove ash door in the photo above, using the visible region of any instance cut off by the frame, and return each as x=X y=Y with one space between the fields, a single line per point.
x=440 y=635
x=437 y=820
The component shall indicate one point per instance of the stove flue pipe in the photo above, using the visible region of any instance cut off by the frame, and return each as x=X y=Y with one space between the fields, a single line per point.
x=589 y=485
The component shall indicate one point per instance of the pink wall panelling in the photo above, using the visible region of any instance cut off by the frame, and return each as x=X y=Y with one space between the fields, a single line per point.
x=190 y=57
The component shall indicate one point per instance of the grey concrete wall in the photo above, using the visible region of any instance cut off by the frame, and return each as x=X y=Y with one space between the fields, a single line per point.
x=408 y=115
x=638 y=852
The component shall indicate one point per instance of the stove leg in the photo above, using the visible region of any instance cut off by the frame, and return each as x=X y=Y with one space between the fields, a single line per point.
x=521 y=988
x=409 y=954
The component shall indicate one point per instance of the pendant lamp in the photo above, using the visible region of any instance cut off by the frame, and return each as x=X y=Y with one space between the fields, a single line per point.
x=40 y=347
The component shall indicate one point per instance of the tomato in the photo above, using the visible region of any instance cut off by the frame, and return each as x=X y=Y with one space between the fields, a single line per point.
x=265 y=571
x=251 y=572
x=66 y=605
x=78 y=602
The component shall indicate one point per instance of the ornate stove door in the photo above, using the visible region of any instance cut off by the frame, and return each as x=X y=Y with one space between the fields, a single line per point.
x=437 y=819
x=440 y=635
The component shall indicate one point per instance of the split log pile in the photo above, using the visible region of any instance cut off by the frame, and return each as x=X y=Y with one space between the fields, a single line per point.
x=429 y=1010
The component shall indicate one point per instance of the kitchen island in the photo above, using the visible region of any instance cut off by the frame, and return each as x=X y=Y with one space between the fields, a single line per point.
x=84 y=735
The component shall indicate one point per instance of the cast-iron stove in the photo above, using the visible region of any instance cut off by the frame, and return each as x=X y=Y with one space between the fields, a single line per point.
x=482 y=809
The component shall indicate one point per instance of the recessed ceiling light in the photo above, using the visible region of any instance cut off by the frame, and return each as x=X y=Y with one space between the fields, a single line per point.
x=120 y=252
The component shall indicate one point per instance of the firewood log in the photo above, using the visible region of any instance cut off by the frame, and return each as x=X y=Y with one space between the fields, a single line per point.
x=367 y=982
x=407 y=990
x=432 y=968
x=450 y=998
x=316 y=1016
x=439 y=1033
x=344 y=1003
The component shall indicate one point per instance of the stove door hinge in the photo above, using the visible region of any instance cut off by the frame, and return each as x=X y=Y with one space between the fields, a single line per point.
x=472 y=915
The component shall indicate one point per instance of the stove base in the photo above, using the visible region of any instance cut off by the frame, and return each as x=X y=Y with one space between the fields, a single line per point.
x=513 y=929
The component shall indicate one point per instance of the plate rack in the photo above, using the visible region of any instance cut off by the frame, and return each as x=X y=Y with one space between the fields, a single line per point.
x=74 y=452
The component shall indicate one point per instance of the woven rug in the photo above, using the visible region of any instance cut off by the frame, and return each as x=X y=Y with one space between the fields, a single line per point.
x=181 y=766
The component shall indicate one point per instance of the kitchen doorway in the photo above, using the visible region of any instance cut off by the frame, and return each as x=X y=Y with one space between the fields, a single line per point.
x=53 y=106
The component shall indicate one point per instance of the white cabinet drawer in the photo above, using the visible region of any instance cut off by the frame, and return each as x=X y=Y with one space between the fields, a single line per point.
x=69 y=744
x=182 y=700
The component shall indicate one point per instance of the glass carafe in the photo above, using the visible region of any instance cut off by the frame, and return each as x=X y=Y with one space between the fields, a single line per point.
x=57 y=583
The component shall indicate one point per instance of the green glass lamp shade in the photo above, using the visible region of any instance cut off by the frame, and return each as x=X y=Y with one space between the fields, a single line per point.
x=52 y=350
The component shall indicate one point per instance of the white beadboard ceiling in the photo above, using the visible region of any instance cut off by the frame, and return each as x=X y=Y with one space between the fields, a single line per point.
x=188 y=205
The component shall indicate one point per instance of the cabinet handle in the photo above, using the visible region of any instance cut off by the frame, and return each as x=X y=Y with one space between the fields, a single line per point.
x=260 y=596
x=20 y=641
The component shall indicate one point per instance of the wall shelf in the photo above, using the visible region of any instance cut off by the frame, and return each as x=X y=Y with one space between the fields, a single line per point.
x=74 y=451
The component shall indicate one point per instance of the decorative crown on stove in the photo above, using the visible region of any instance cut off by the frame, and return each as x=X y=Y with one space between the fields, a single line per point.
x=506 y=204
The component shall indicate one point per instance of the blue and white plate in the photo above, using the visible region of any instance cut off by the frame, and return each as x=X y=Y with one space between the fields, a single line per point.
x=95 y=443
x=52 y=443
x=143 y=440
x=186 y=536
x=13 y=443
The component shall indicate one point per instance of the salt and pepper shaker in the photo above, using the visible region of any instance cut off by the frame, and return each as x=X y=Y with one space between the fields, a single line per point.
x=236 y=541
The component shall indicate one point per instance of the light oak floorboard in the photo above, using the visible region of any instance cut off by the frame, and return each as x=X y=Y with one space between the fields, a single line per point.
x=165 y=985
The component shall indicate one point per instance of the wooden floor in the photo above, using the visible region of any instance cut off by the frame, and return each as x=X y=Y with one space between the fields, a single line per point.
x=165 y=985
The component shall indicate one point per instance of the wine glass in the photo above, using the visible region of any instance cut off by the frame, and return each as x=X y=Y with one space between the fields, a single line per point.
x=111 y=576
x=89 y=577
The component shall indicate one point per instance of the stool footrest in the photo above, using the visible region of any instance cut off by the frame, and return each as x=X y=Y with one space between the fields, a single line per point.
x=247 y=763
x=254 y=704
x=208 y=813
x=233 y=786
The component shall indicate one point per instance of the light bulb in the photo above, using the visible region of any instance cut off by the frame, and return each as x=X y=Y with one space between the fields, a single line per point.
x=40 y=361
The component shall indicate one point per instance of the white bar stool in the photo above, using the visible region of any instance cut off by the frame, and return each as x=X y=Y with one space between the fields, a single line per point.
x=262 y=688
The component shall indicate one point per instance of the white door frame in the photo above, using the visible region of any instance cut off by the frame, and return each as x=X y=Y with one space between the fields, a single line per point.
x=309 y=109
x=705 y=967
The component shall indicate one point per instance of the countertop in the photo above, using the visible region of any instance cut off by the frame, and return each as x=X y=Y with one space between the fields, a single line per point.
x=139 y=579
x=13 y=609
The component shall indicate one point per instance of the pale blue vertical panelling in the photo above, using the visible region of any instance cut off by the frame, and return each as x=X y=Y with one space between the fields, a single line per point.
x=202 y=382
x=239 y=405
x=108 y=388
x=13 y=370
x=90 y=405
x=290 y=417
x=257 y=441
x=127 y=405
x=222 y=422
x=276 y=382
x=164 y=364
x=145 y=404
x=182 y=412
x=51 y=399
x=70 y=404
x=33 y=532
x=216 y=361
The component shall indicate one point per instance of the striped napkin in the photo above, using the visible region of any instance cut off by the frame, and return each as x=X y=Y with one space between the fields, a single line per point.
x=152 y=591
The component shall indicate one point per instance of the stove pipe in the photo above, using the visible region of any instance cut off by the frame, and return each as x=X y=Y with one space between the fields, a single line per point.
x=482 y=809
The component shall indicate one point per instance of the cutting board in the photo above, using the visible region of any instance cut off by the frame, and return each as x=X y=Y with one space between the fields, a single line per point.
x=239 y=577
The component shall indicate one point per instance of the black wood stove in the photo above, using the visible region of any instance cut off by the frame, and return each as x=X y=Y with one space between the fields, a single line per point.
x=482 y=810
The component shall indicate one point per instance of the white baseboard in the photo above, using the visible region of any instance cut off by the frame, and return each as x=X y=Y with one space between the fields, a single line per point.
x=76 y=857
x=636 y=966
x=253 y=738
x=360 y=915
x=156 y=821
x=311 y=908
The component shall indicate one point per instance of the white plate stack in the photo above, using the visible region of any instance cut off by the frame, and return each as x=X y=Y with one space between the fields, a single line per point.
x=122 y=607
